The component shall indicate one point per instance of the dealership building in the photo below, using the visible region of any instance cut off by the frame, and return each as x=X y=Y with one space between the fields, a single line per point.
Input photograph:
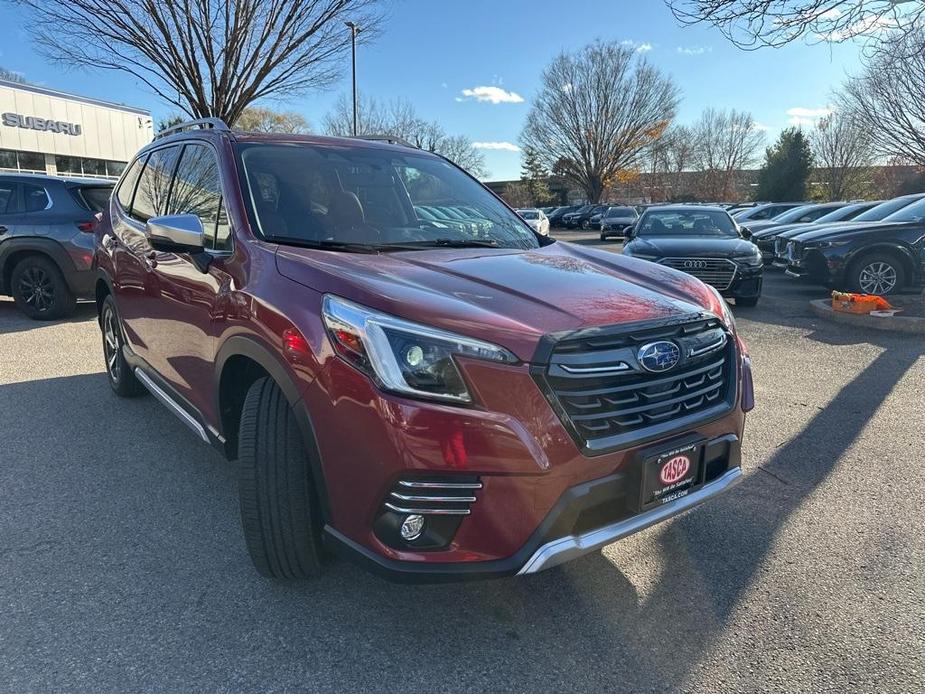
x=50 y=132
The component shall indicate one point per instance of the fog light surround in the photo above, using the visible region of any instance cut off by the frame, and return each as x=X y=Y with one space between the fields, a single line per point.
x=412 y=527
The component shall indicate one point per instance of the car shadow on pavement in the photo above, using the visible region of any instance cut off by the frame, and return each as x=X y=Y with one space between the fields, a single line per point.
x=116 y=523
x=12 y=319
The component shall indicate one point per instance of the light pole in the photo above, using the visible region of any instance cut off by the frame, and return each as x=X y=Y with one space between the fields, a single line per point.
x=354 y=30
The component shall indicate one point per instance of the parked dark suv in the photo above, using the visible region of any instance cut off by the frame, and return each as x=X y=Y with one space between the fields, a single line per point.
x=46 y=241
x=436 y=402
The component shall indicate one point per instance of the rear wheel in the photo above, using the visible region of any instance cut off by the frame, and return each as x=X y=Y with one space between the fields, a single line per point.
x=275 y=487
x=39 y=289
x=879 y=274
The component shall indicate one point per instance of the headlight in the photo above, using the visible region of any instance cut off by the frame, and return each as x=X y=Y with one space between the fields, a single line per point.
x=826 y=244
x=402 y=356
x=726 y=316
x=751 y=260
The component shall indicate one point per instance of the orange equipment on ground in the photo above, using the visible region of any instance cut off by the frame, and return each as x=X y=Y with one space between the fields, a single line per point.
x=858 y=303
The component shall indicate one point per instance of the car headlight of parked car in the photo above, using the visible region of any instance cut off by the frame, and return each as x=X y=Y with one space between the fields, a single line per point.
x=825 y=244
x=401 y=356
x=753 y=259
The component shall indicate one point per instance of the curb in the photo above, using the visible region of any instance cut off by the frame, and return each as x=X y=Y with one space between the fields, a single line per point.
x=912 y=325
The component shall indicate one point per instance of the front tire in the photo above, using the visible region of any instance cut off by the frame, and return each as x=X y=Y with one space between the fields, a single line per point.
x=275 y=487
x=586 y=225
x=118 y=372
x=39 y=289
x=879 y=274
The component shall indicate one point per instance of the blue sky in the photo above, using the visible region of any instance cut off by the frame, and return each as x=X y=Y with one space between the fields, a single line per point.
x=442 y=55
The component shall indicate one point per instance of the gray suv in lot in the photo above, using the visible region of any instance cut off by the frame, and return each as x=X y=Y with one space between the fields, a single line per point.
x=46 y=241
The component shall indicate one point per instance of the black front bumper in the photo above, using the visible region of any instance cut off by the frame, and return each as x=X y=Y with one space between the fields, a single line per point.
x=746 y=284
x=586 y=517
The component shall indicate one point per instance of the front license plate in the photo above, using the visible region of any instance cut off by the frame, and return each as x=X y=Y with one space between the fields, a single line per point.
x=671 y=475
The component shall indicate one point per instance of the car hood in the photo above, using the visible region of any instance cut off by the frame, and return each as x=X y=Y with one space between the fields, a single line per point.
x=504 y=296
x=690 y=246
x=756 y=227
x=848 y=227
x=765 y=232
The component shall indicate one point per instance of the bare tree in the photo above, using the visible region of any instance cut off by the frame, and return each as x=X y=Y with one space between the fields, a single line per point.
x=399 y=119
x=755 y=23
x=264 y=120
x=725 y=143
x=206 y=57
x=11 y=76
x=888 y=98
x=597 y=113
x=842 y=151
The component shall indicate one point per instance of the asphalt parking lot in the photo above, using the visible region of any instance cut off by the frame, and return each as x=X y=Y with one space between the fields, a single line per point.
x=123 y=566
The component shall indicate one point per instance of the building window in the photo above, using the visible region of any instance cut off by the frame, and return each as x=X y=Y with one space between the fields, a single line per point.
x=30 y=162
x=84 y=166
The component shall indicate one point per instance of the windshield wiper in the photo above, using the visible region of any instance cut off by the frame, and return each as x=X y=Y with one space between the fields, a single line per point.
x=443 y=243
x=325 y=244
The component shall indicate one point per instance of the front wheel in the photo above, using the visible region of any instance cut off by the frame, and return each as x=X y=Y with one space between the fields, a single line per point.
x=877 y=274
x=121 y=378
x=586 y=225
x=275 y=487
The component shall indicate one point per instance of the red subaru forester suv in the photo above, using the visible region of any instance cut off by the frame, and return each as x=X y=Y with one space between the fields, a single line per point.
x=403 y=370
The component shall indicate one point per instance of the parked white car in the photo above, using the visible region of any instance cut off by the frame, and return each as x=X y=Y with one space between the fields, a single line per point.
x=537 y=220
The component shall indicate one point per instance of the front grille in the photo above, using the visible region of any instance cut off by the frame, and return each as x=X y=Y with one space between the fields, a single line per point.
x=433 y=496
x=780 y=247
x=718 y=272
x=606 y=398
x=765 y=244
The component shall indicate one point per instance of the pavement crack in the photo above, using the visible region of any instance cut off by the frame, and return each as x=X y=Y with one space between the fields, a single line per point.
x=777 y=477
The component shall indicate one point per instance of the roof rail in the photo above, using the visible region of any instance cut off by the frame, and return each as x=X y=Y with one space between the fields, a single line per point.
x=392 y=140
x=201 y=123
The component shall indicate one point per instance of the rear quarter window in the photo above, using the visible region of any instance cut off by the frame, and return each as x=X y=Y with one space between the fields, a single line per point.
x=127 y=187
x=94 y=198
x=35 y=198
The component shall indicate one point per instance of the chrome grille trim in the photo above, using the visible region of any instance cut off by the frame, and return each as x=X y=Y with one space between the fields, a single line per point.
x=428 y=511
x=440 y=485
x=718 y=272
x=435 y=499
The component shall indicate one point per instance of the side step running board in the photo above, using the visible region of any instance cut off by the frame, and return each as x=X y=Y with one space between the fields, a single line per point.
x=171 y=404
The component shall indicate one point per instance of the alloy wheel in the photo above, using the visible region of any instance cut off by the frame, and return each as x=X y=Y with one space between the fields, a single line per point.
x=878 y=278
x=37 y=289
x=111 y=345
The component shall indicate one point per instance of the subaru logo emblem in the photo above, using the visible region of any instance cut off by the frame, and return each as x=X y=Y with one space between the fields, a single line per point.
x=658 y=356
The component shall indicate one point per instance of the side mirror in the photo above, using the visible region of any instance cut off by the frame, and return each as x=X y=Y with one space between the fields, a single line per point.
x=629 y=232
x=745 y=233
x=176 y=233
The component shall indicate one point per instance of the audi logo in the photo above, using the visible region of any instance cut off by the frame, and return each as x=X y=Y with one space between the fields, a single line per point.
x=695 y=264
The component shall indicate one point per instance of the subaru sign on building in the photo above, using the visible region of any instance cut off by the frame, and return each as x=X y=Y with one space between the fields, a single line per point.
x=47 y=131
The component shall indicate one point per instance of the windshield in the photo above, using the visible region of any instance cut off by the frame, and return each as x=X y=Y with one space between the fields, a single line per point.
x=885 y=209
x=621 y=212
x=804 y=213
x=529 y=214
x=356 y=198
x=910 y=213
x=686 y=223
x=846 y=213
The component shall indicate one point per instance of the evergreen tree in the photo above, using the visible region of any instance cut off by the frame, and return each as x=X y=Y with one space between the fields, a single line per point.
x=786 y=169
x=534 y=176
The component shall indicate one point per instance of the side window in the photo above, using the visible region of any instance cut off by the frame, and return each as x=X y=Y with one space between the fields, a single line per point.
x=127 y=188
x=154 y=184
x=7 y=198
x=197 y=190
x=34 y=198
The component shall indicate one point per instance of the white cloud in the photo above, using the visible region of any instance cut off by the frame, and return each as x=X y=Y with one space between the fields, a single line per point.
x=444 y=85
x=800 y=116
x=493 y=95
x=759 y=126
x=506 y=146
x=694 y=50
x=639 y=46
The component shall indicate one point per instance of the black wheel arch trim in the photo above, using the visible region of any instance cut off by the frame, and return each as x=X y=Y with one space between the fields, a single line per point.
x=240 y=345
x=896 y=249
x=36 y=244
